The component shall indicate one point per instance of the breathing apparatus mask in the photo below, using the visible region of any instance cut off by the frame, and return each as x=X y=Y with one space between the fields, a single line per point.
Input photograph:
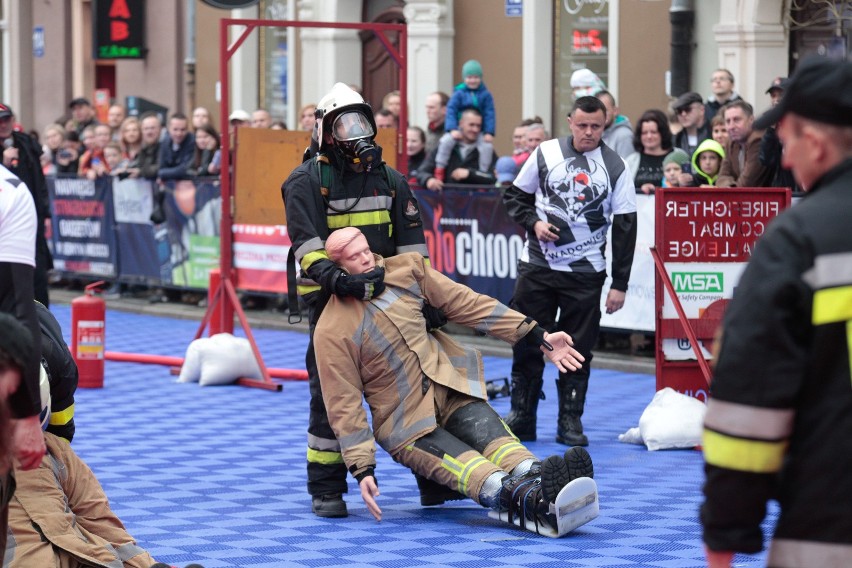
x=354 y=138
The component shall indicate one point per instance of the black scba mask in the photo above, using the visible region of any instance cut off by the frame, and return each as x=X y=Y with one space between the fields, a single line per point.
x=363 y=151
x=353 y=136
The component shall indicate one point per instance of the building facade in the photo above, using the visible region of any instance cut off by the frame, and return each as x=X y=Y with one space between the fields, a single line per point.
x=528 y=49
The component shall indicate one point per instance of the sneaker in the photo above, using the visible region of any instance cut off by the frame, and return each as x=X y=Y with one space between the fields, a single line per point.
x=329 y=506
x=579 y=463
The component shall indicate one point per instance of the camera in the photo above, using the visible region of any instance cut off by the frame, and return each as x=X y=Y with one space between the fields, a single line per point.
x=65 y=155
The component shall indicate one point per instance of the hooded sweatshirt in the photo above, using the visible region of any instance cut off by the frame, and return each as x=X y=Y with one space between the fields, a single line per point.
x=702 y=177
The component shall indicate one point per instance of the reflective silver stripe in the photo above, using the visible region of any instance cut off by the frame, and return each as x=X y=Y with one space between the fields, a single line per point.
x=323 y=444
x=129 y=550
x=422 y=249
x=749 y=421
x=785 y=553
x=396 y=367
x=315 y=243
x=488 y=321
x=401 y=435
x=352 y=440
x=373 y=203
x=830 y=270
x=470 y=363
x=384 y=302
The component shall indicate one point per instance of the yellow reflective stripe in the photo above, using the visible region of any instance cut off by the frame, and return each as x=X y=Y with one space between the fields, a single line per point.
x=743 y=455
x=832 y=305
x=497 y=456
x=62 y=417
x=303 y=290
x=462 y=471
x=325 y=458
x=359 y=219
x=313 y=257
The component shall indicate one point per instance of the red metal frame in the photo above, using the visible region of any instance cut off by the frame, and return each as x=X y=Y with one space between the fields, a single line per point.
x=224 y=302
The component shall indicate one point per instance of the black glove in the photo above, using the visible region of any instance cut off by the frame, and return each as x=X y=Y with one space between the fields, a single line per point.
x=536 y=338
x=435 y=318
x=364 y=286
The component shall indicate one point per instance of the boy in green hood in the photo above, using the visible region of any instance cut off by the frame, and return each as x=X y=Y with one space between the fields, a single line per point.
x=706 y=163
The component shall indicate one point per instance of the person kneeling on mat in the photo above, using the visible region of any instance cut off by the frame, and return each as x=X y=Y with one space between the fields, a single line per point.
x=426 y=393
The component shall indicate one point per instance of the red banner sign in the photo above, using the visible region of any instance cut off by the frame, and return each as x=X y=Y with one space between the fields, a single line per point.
x=717 y=225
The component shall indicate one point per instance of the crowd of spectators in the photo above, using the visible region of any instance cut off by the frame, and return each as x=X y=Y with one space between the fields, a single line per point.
x=455 y=146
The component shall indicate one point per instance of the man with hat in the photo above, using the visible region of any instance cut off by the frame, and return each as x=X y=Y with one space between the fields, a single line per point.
x=691 y=116
x=779 y=417
x=22 y=157
x=82 y=113
x=770 y=146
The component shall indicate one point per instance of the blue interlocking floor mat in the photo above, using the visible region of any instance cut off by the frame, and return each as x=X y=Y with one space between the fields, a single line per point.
x=216 y=475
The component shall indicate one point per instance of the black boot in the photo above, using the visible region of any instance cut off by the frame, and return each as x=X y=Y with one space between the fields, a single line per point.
x=579 y=463
x=432 y=493
x=529 y=495
x=525 y=397
x=572 y=399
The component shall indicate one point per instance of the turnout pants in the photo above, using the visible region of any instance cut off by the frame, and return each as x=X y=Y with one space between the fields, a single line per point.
x=326 y=470
x=539 y=293
x=470 y=443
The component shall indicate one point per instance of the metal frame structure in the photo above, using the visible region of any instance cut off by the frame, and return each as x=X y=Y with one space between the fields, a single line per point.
x=223 y=302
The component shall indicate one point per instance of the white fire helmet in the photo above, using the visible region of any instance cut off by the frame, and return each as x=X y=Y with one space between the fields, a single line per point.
x=339 y=100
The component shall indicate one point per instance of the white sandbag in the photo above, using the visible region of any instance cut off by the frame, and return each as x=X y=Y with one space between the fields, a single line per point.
x=190 y=371
x=632 y=436
x=672 y=420
x=225 y=358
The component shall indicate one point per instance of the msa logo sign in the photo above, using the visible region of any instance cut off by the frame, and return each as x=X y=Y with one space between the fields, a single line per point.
x=698 y=281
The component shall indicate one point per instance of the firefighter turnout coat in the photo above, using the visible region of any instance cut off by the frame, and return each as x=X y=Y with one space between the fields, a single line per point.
x=779 y=420
x=380 y=350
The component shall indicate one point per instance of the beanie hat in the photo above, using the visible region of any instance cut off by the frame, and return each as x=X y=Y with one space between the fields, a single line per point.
x=676 y=156
x=471 y=67
x=585 y=83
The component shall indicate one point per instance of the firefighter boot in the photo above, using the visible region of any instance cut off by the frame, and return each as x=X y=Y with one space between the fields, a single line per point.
x=432 y=493
x=572 y=399
x=579 y=463
x=329 y=506
x=521 y=419
x=528 y=496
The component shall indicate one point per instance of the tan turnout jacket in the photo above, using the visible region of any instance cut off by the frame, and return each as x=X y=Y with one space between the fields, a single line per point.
x=380 y=350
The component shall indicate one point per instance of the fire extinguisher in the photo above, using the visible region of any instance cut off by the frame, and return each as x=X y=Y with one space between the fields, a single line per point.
x=88 y=318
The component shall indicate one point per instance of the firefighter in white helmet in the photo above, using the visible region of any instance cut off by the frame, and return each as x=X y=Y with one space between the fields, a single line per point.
x=345 y=184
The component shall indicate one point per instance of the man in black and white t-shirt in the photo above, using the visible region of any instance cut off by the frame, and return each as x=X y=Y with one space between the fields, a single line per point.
x=566 y=196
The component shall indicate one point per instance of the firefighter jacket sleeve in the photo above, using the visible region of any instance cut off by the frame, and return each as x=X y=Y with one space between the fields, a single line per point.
x=343 y=390
x=63 y=374
x=751 y=386
x=780 y=412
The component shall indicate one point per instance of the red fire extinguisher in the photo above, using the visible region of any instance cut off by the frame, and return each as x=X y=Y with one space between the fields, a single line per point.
x=88 y=317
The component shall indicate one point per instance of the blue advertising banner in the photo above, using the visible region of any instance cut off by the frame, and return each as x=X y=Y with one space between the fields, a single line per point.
x=472 y=240
x=82 y=226
x=193 y=215
x=133 y=202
